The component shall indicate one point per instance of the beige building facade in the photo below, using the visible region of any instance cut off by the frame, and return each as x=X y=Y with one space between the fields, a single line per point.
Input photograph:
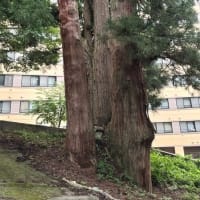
x=177 y=121
x=18 y=89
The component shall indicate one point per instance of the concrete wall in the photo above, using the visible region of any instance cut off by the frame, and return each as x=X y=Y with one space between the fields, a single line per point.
x=6 y=126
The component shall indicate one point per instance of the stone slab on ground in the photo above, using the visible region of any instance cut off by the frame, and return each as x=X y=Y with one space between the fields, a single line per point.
x=91 y=197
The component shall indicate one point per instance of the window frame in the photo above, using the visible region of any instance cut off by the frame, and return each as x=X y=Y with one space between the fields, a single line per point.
x=30 y=84
x=39 y=82
x=187 y=126
x=29 y=106
x=55 y=80
x=1 y=107
x=164 y=107
x=5 y=76
x=164 y=127
x=183 y=104
x=190 y=102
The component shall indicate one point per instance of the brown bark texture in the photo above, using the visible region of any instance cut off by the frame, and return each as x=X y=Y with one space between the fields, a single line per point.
x=80 y=145
x=89 y=45
x=101 y=65
x=131 y=132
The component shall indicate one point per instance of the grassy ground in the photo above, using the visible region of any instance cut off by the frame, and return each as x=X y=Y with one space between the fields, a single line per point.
x=174 y=178
x=19 y=181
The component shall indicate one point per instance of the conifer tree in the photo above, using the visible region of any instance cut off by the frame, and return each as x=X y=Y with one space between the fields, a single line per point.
x=163 y=36
x=29 y=34
x=153 y=41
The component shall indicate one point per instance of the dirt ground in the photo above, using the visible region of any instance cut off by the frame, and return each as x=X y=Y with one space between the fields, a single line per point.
x=52 y=161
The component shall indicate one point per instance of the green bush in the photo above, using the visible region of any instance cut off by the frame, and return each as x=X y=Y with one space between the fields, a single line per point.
x=175 y=171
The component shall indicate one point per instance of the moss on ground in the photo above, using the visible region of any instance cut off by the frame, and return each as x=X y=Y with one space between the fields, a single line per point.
x=19 y=181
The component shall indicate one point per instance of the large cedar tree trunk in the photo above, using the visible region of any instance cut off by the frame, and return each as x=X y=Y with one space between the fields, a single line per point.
x=80 y=145
x=89 y=45
x=131 y=132
x=101 y=65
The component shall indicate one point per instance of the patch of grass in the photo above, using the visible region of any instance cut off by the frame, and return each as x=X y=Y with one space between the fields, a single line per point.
x=12 y=171
x=28 y=192
x=21 y=182
x=40 y=138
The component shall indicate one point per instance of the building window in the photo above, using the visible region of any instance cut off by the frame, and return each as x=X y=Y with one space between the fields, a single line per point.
x=30 y=81
x=183 y=103
x=164 y=104
x=25 y=106
x=188 y=102
x=5 y=106
x=163 y=127
x=35 y=81
x=47 y=81
x=195 y=102
x=190 y=126
x=6 y=80
x=51 y=81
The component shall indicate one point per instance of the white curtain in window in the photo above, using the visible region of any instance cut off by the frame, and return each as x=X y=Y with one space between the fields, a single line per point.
x=34 y=80
x=195 y=102
x=164 y=103
x=6 y=107
x=8 y=80
x=30 y=105
x=24 y=106
x=197 y=124
x=160 y=128
x=191 y=126
x=43 y=81
x=179 y=103
x=51 y=81
x=183 y=126
x=168 y=127
x=26 y=81
x=187 y=103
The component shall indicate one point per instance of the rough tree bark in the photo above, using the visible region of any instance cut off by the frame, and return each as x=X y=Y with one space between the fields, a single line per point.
x=80 y=145
x=89 y=44
x=101 y=65
x=131 y=132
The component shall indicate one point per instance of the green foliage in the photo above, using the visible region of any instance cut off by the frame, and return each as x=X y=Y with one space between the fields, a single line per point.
x=176 y=172
x=190 y=196
x=106 y=169
x=43 y=139
x=156 y=79
x=29 y=28
x=161 y=31
x=50 y=106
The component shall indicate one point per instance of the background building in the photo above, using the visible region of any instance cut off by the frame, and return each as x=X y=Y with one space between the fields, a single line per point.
x=177 y=120
x=18 y=89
